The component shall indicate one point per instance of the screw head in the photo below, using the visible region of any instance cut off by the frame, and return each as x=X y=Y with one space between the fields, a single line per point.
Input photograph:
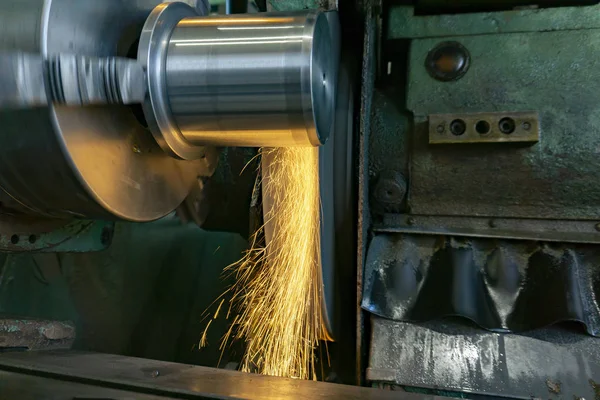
x=440 y=128
x=389 y=192
x=448 y=61
x=458 y=127
x=526 y=126
x=390 y=189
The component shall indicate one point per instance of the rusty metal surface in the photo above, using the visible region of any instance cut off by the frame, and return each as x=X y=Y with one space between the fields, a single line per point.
x=34 y=334
x=556 y=178
x=484 y=128
x=500 y=285
x=164 y=378
x=552 y=363
x=364 y=217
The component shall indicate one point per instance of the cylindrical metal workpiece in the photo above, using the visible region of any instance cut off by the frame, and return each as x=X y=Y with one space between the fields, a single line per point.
x=252 y=80
x=243 y=80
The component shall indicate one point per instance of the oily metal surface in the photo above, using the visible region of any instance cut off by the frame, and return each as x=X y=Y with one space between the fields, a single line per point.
x=500 y=285
x=552 y=363
x=87 y=161
x=555 y=178
x=165 y=378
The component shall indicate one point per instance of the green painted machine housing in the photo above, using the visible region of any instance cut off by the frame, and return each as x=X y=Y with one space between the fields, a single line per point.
x=542 y=60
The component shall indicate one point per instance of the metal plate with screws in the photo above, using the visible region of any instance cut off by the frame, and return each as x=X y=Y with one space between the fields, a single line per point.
x=484 y=128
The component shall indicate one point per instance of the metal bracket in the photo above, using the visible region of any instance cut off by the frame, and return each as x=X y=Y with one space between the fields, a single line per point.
x=484 y=128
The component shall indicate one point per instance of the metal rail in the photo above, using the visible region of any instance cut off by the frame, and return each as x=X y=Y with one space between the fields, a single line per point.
x=122 y=374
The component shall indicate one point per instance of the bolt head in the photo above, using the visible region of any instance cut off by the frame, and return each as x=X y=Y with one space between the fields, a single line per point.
x=389 y=191
x=448 y=61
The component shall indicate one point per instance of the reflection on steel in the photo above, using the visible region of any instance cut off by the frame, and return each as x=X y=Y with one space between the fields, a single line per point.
x=180 y=380
x=239 y=80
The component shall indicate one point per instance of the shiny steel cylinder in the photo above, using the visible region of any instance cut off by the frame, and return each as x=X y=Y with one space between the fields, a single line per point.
x=252 y=80
x=245 y=80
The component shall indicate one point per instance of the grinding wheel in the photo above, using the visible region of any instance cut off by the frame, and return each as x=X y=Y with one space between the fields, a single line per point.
x=335 y=186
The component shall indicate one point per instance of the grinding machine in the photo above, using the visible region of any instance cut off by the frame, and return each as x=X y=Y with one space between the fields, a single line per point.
x=113 y=110
x=458 y=171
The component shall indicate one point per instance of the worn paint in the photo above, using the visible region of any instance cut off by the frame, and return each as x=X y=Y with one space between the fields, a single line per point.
x=403 y=23
x=560 y=171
